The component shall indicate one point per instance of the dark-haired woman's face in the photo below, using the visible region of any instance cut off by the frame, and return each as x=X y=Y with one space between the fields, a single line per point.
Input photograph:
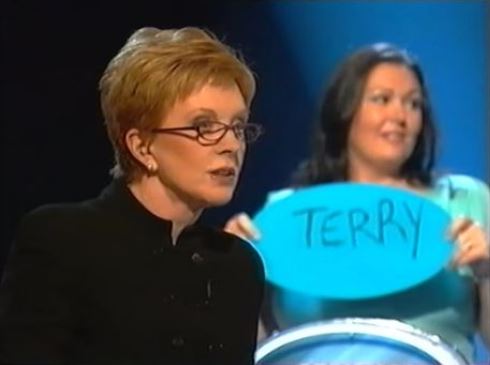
x=386 y=125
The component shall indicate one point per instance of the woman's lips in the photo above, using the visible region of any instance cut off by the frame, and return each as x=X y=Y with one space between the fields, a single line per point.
x=225 y=175
x=396 y=137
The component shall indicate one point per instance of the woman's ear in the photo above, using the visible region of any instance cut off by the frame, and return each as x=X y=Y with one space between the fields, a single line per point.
x=140 y=149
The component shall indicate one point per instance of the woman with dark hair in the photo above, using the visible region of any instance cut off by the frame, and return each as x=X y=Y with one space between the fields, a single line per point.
x=376 y=126
x=329 y=161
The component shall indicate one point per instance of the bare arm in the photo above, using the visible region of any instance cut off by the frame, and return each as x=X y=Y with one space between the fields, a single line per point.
x=473 y=238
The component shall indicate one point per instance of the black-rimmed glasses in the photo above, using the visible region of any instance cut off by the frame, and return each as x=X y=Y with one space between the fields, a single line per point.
x=212 y=132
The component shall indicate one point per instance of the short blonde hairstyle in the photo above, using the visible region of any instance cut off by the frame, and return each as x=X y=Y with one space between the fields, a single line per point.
x=155 y=69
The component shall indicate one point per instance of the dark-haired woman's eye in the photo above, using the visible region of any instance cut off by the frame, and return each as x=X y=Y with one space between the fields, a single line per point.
x=380 y=99
x=415 y=103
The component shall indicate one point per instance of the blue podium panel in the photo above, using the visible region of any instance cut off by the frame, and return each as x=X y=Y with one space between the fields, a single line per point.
x=352 y=241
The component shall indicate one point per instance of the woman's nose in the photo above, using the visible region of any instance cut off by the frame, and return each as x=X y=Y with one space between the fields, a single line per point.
x=398 y=110
x=231 y=141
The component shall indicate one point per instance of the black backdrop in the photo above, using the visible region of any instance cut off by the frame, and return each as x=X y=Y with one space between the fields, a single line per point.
x=53 y=53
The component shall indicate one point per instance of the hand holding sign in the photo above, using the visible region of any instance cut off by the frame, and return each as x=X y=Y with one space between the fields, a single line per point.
x=352 y=240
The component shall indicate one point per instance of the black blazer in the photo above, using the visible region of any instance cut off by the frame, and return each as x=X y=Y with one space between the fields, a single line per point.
x=100 y=282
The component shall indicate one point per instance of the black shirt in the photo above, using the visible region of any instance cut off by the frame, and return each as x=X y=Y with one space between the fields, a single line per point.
x=101 y=282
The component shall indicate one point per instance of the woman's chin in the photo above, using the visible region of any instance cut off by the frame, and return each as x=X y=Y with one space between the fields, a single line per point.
x=220 y=200
x=215 y=199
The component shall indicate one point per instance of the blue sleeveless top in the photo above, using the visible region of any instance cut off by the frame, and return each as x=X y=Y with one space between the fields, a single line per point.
x=443 y=305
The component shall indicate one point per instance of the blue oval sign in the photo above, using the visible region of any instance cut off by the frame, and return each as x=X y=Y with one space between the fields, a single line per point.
x=352 y=241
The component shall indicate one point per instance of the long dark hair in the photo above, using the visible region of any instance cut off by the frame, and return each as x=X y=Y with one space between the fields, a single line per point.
x=328 y=162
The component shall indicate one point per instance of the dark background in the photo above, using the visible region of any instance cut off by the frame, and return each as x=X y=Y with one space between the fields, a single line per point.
x=54 y=143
